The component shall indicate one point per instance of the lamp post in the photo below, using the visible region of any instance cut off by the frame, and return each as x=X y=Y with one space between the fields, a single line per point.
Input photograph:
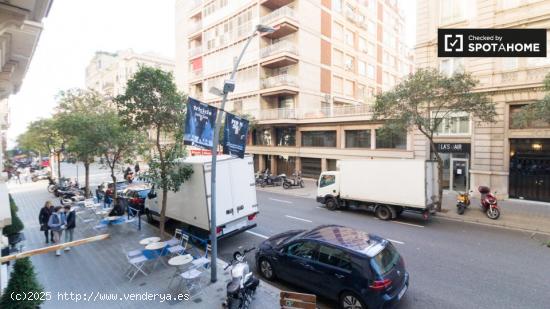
x=228 y=86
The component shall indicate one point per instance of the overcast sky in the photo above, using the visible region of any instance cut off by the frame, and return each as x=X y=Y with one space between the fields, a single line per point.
x=76 y=29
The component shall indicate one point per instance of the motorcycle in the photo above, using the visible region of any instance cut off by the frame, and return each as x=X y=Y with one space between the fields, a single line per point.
x=295 y=181
x=462 y=202
x=67 y=197
x=270 y=180
x=488 y=203
x=243 y=284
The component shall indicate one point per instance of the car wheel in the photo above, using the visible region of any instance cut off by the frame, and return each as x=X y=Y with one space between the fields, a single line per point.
x=332 y=204
x=266 y=269
x=382 y=212
x=349 y=300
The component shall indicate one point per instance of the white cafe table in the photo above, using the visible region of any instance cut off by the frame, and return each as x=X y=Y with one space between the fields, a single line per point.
x=157 y=248
x=149 y=240
x=179 y=261
x=155 y=245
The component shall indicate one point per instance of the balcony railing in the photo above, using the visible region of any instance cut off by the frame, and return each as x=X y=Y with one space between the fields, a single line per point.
x=194 y=27
x=195 y=51
x=279 y=80
x=281 y=46
x=284 y=11
x=309 y=113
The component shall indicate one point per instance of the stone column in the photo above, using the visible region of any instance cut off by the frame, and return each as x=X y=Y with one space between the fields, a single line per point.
x=261 y=162
x=298 y=164
x=273 y=167
x=323 y=165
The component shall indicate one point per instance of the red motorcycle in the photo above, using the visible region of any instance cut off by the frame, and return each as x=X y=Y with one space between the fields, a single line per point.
x=488 y=203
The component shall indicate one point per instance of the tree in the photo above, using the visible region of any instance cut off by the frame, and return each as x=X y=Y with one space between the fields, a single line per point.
x=78 y=113
x=119 y=142
x=537 y=111
x=22 y=281
x=425 y=99
x=16 y=225
x=152 y=103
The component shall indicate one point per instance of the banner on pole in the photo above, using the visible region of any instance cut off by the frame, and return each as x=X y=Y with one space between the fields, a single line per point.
x=235 y=132
x=199 y=124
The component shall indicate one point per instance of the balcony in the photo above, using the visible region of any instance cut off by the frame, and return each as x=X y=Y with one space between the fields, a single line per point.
x=275 y=4
x=280 y=54
x=283 y=84
x=195 y=51
x=195 y=74
x=353 y=111
x=193 y=7
x=283 y=20
x=194 y=30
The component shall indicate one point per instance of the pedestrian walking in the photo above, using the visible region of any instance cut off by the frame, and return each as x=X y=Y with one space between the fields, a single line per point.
x=44 y=218
x=71 y=224
x=57 y=223
x=17 y=176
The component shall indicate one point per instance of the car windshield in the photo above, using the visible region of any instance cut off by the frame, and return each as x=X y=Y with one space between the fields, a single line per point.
x=384 y=261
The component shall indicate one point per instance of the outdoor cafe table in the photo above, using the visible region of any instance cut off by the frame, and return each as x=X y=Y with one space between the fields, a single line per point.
x=179 y=261
x=158 y=250
x=149 y=240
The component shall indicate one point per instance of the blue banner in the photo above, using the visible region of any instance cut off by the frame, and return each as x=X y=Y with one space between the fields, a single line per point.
x=235 y=132
x=199 y=124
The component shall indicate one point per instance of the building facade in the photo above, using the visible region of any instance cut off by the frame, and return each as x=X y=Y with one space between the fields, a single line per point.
x=309 y=85
x=512 y=161
x=108 y=73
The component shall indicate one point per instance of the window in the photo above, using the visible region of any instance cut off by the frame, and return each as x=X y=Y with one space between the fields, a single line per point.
x=337 y=5
x=349 y=37
x=370 y=71
x=361 y=92
x=305 y=249
x=319 y=138
x=362 y=44
x=362 y=68
x=338 y=58
x=348 y=62
x=451 y=66
x=387 y=138
x=453 y=124
x=372 y=27
x=327 y=180
x=515 y=109
x=385 y=260
x=262 y=137
x=238 y=106
x=338 y=31
x=509 y=63
x=338 y=85
x=509 y=4
x=371 y=49
x=286 y=136
x=452 y=11
x=334 y=257
x=349 y=88
x=357 y=138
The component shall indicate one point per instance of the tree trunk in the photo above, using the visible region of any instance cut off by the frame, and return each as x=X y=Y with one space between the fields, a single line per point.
x=113 y=177
x=58 y=165
x=439 y=175
x=87 y=178
x=163 y=212
x=163 y=185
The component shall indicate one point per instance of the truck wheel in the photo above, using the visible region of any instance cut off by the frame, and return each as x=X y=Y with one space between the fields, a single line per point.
x=332 y=204
x=383 y=212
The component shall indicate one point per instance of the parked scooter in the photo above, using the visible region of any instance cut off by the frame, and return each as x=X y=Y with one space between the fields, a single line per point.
x=462 y=202
x=70 y=196
x=488 y=203
x=295 y=181
x=243 y=284
x=270 y=180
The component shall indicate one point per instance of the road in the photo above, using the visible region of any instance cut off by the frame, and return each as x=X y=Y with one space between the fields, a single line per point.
x=452 y=264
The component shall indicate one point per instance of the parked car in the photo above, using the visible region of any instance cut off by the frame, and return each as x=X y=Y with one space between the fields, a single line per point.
x=355 y=268
x=136 y=195
x=108 y=186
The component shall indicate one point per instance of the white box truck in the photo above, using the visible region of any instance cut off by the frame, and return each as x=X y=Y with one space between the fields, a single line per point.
x=236 y=203
x=386 y=186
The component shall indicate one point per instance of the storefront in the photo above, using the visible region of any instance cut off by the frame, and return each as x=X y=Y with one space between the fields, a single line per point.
x=456 y=165
x=311 y=167
x=530 y=169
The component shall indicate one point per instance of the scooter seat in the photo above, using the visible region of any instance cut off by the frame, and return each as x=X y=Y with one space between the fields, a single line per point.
x=252 y=283
x=233 y=286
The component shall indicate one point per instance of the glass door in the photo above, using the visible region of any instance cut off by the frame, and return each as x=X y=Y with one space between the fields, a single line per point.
x=459 y=174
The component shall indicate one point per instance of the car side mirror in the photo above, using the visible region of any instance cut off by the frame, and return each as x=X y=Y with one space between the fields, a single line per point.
x=151 y=195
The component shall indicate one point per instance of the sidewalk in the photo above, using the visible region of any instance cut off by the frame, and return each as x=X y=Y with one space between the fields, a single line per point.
x=515 y=214
x=96 y=270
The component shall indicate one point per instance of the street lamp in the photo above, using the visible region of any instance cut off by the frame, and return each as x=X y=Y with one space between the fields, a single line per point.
x=228 y=86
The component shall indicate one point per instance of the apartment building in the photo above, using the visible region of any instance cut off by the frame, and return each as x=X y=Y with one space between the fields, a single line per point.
x=309 y=85
x=108 y=72
x=514 y=162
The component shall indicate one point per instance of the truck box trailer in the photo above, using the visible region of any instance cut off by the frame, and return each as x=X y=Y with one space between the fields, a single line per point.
x=387 y=186
x=236 y=203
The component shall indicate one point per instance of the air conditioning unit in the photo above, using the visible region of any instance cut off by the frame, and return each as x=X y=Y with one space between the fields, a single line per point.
x=349 y=66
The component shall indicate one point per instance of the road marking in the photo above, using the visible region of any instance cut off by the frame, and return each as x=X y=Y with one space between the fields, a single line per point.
x=396 y=241
x=405 y=223
x=296 y=218
x=257 y=234
x=281 y=201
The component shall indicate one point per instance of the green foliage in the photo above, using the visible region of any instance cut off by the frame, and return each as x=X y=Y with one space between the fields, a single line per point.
x=41 y=136
x=537 y=111
x=16 y=225
x=176 y=172
x=22 y=280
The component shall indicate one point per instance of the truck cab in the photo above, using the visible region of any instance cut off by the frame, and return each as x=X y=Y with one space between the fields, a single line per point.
x=328 y=186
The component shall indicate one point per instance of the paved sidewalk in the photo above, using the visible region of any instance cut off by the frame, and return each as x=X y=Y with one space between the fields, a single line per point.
x=96 y=270
x=515 y=214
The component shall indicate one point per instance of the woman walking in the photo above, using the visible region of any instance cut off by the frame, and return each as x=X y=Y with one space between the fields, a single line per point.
x=71 y=224
x=44 y=217
x=57 y=223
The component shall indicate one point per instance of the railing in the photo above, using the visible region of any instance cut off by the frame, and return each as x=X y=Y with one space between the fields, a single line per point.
x=281 y=46
x=195 y=51
x=284 y=11
x=310 y=113
x=279 y=80
x=194 y=27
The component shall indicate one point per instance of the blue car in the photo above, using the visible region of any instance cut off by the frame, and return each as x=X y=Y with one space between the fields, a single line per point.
x=354 y=268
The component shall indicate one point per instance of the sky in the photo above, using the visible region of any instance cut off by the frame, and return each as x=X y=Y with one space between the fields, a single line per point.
x=75 y=29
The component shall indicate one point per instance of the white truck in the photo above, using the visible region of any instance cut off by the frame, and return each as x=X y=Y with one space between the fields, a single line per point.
x=386 y=186
x=236 y=203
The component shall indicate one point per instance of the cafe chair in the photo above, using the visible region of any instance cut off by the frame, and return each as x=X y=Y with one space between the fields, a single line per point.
x=179 y=248
x=136 y=264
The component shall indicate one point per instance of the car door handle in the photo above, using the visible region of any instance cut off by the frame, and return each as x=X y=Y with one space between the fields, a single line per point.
x=339 y=276
x=307 y=266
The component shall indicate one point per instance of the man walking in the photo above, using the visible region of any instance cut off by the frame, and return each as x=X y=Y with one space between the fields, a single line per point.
x=71 y=224
x=57 y=223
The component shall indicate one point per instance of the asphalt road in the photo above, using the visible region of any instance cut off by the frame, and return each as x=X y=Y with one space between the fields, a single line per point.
x=451 y=264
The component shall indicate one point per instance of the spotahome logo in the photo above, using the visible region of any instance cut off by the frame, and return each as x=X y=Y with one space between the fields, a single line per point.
x=491 y=42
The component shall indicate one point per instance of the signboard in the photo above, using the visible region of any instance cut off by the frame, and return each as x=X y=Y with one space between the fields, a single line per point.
x=234 y=135
x=452 y=147
x=199 y=124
